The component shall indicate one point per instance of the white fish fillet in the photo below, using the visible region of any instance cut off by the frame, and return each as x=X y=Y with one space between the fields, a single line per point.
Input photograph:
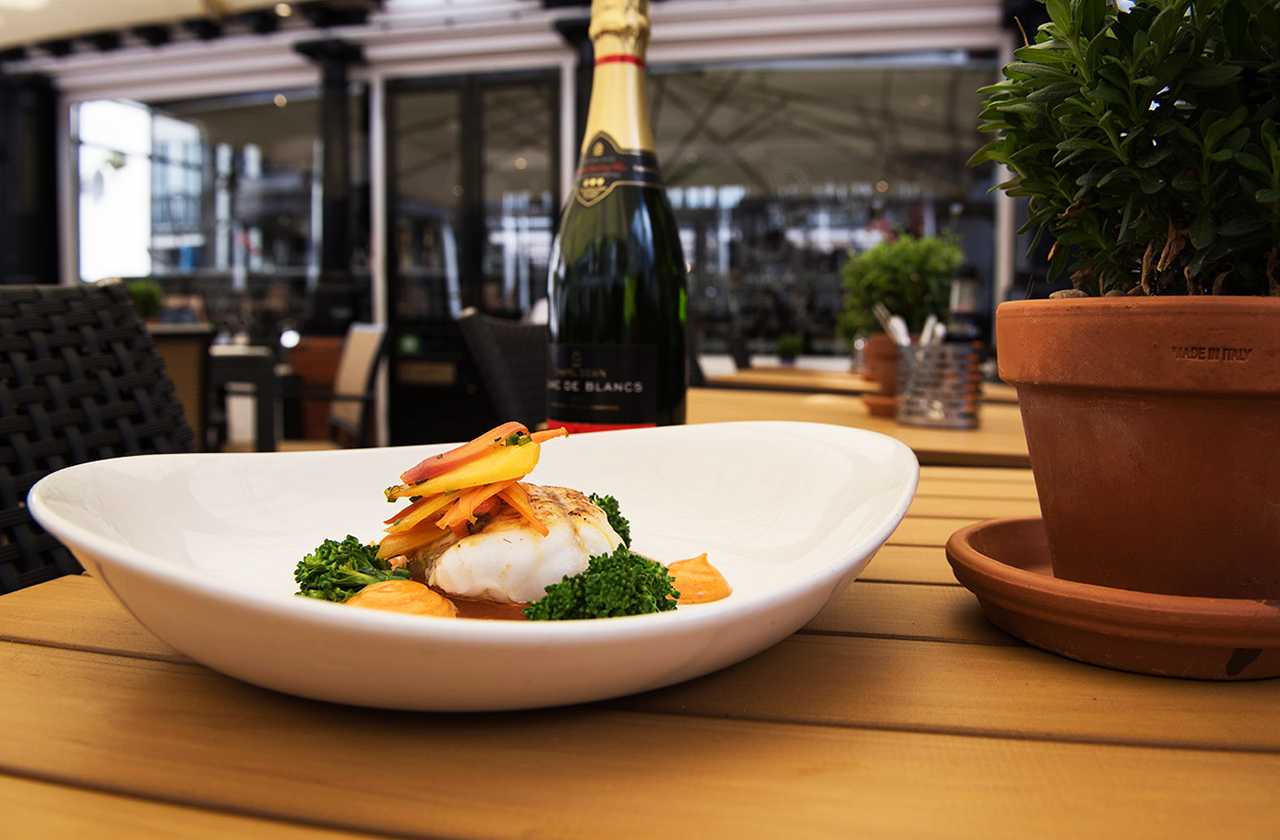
x=509 y=562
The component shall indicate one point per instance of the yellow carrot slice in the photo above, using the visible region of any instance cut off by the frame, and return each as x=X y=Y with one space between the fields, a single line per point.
x=393 y=545
x=423 y=511
x=504 y=463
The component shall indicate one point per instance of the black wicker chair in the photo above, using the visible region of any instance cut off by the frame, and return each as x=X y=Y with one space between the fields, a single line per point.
x=79 y=381
x=512 y=358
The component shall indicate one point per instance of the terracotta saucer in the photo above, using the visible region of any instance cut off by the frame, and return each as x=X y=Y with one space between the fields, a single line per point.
x=1005 y=562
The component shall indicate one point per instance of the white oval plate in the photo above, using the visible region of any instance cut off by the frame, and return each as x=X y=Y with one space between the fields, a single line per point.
x=201 y=549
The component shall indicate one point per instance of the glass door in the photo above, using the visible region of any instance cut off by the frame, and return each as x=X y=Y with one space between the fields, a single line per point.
x=473 y=193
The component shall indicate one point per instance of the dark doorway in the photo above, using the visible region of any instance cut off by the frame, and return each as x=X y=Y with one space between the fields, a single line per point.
x=473 y=192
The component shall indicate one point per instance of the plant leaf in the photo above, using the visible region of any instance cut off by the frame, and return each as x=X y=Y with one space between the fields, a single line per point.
x=1241 y=226
x=1202 y=230
x=1215 y=75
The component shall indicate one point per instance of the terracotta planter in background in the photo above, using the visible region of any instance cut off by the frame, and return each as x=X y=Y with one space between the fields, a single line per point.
x=1154 y=431
x=880 y=362
x=880 y=365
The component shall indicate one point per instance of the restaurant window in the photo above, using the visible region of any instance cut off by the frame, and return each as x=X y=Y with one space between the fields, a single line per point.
x=777 y=170
x=219 y=200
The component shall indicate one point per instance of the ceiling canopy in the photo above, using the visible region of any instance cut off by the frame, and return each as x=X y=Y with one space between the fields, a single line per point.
x=29 y=22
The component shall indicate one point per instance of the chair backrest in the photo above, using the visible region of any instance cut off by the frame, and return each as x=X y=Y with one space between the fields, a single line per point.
x=512 y=359
x=357 y=368
x=79 y=381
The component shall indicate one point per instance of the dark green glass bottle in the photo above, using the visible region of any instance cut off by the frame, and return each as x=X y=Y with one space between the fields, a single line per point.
x=617 y=285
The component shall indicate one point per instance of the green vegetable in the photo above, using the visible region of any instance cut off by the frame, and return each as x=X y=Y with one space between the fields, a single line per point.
x=617 y=521
x=337 y=570
x=621 y=583
x=911 y=276
x=1146 y=141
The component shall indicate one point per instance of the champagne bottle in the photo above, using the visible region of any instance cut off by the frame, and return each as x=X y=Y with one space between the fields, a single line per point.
x=616 y=289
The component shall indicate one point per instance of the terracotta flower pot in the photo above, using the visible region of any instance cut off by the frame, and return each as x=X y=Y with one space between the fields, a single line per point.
x=1154 y=431
x=880 y=361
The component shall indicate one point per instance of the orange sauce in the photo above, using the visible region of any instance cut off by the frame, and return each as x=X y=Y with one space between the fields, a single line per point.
x=699 y=582
x=489 y=610
x=404 y=596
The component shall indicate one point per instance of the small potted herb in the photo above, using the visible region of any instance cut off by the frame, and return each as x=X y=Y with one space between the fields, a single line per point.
x=148 y=298
x=1147 y=143
x=789 y=348
x=912 y=277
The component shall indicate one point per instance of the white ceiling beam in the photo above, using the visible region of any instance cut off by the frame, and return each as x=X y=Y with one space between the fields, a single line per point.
x=435 y=38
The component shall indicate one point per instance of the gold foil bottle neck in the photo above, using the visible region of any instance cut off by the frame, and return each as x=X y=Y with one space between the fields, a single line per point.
x=620 y=26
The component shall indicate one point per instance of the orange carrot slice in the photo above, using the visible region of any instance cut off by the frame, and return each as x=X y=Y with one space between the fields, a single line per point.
x=518 y=498
x=549 y=434
x=465 y=509
x=444 y=462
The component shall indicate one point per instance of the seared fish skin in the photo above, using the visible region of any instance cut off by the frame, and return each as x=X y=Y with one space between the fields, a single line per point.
x=506 y=560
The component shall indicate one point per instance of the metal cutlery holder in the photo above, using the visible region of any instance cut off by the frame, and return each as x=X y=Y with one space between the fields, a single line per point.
x=940 y=386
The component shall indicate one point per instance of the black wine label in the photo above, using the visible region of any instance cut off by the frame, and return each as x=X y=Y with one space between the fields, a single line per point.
x=603 y=384
x=605 y=166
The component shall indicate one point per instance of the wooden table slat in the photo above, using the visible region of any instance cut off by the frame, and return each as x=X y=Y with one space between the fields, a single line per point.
x=77 y=612
x=935 y=506
x=998 y=442
x=910 y=564
x=929 y=531
x=962 y=491
x=802 y=380
x=977 y=474
x=1007 y=691
x=887 y=610
x=180 y=732
x=51 y=811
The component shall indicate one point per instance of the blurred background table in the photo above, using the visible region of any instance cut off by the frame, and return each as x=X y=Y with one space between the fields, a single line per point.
x=816 y=381
x=998 y=442
x=898 y=711
x=255 y=367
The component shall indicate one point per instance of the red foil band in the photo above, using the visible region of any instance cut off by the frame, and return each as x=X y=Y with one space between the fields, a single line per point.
x=621 y=58
x=580 y=428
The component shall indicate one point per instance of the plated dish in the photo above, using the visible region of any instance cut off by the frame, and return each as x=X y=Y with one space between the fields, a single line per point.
x=202 y=549
x=476 y=541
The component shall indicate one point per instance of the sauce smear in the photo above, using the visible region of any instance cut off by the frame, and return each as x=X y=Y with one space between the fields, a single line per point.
x=403 y=596
x=489 y=610
x=699 y=582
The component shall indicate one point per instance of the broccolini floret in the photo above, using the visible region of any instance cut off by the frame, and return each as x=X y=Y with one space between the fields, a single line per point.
x=621 y=583
x=337 y=570
x=617 y=521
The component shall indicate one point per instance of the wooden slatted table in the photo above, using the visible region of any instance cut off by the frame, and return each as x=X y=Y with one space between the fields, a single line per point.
x=898 y=712
x=809 y=380
x=997 y=442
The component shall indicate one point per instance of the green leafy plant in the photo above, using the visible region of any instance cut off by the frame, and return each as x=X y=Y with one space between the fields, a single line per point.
x=911 y=276
x=619 y=523
x=1147 y=142
x=621 y=583
x=148 y=297
x=337 y=570
x=789 y=346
